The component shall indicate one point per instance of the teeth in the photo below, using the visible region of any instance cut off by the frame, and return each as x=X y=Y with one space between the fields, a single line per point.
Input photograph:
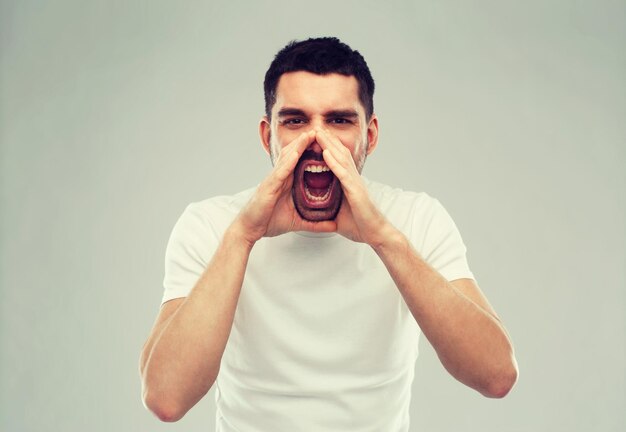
x=316 y=168
x=316 y=198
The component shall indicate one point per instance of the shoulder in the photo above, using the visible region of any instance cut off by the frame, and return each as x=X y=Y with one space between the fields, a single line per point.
x=417 y=214
x=214 y=214
x=221 y=203
x=219 y=206
x=393 y=199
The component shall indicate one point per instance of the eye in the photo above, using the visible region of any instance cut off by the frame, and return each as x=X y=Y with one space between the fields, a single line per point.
x=340 y=121
x=293 y=122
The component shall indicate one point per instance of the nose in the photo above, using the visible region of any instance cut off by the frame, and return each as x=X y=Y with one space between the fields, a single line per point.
x=315 y=124
x=315 y=147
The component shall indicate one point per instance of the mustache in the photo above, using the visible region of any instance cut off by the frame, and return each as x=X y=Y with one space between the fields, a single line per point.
x=311 y=155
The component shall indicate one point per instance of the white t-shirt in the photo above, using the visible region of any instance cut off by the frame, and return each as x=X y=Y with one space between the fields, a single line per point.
x=322 y=339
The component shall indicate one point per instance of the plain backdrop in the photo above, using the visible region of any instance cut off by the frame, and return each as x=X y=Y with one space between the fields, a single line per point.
x=115 y=115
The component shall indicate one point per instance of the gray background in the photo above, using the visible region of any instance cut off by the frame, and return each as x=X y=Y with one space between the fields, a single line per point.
x=114 y=115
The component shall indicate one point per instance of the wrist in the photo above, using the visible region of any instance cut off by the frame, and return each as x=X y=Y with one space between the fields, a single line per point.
x=237 y=234
x=387 y=239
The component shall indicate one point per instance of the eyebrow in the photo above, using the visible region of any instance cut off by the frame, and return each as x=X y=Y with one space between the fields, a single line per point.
x=341 y=113
x=285 y=112
x=348 y=113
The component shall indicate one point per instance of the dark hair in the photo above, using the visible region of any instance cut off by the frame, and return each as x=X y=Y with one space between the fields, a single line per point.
x=320 y=56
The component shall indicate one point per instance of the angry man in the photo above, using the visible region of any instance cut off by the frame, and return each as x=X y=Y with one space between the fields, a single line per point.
x=302 y=299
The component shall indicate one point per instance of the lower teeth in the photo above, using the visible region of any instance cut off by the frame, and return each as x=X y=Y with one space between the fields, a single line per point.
x=312 y=197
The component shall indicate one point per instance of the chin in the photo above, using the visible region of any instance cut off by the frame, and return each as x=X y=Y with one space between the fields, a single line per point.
x=314 y=214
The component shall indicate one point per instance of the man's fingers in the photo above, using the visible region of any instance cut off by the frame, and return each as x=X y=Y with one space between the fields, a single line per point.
x=334 y=165
x=322 y=226
x=290 y=154
x=295 y=148
x=327 y=140
x=280 y=177
x=302 y=142
x=341 y=156
x=339 y=160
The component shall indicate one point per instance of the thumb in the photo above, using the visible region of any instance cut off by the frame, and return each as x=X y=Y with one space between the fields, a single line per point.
x=319 y=227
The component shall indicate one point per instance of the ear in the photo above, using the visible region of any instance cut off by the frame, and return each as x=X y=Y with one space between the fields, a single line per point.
x=372 y=134
x=265 y=133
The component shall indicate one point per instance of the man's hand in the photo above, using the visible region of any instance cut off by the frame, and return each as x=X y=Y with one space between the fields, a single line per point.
x=358 y=219
x=271 y=211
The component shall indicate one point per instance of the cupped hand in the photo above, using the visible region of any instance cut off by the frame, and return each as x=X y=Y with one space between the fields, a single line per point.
x=358 y=219
x=271 y=212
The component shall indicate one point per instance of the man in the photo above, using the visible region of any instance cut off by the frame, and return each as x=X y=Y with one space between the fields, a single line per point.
x=303 y=298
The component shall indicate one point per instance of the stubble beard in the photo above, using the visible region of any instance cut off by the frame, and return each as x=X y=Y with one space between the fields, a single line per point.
x=316 y=205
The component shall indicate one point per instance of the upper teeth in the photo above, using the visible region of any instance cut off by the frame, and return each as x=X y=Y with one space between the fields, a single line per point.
x=316 y=168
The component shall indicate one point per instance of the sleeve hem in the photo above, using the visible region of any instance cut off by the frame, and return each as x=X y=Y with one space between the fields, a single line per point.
x=173 y=294
x=452 y=275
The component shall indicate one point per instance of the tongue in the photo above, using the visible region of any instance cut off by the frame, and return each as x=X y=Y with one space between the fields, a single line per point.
x=319 y=180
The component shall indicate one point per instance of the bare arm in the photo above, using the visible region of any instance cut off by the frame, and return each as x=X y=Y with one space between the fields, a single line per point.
x=456 y=318
x=181 y=359
x=181 y=363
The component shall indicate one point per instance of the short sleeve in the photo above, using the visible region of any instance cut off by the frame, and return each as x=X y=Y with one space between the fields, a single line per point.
x=191 y=245
x=443 y=247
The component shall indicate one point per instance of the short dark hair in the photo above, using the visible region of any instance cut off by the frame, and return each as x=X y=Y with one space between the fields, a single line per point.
x=320 y=56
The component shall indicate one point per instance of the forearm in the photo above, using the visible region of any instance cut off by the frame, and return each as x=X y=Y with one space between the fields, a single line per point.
x=470 y=341
x=183 y=362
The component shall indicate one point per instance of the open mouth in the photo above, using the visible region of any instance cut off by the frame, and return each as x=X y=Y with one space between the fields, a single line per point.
x=316 y=191
x=318 y=182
